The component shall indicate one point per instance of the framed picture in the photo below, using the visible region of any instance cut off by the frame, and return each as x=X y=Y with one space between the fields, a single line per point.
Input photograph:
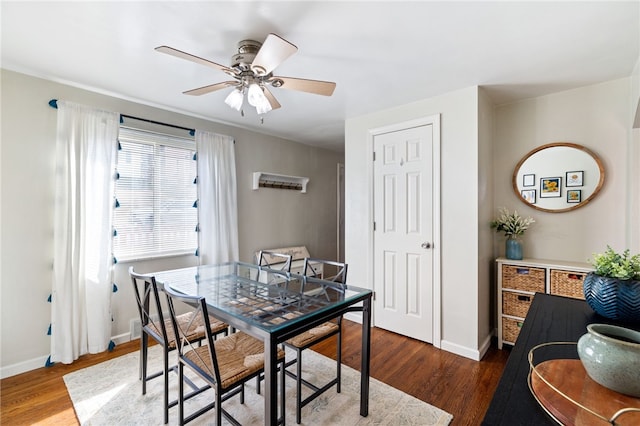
x=574 y=196
x=550 y=187
x=529 y=195
x=528 y=180
x=575 y=178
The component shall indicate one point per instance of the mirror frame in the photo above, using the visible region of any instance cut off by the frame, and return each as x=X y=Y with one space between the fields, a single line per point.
x=551 y=145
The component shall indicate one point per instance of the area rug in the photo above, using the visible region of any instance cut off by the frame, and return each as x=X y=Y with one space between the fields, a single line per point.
x=111 y=394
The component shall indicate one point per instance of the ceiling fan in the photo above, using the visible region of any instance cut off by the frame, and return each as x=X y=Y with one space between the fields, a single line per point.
x=252 y=71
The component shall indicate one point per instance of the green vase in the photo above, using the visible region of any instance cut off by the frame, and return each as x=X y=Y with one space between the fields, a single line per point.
x=609 y=354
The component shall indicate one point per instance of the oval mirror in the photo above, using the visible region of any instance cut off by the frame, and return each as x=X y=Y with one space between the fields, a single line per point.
x=558 y=177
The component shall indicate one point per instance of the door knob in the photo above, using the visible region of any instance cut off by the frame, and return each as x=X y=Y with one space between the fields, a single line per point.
x=426 y=245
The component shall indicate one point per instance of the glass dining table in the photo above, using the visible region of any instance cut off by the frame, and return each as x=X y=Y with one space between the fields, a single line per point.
x=274 y=306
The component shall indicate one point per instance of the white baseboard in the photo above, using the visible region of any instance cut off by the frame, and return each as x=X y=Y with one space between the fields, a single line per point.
x=486 y=344
x=354 y=316
x=23 y=366
x=39 y=362
x=474 y=354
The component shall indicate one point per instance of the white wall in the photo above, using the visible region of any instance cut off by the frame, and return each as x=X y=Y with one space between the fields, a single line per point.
x=460 y=173
x=633 y=222
x=599 y=118
x=267 y=217
x=486 y=259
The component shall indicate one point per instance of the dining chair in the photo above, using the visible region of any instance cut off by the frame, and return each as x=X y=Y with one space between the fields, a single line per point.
x=225 y=364
x=322 y=332
x=327 y=270
x=274 y=260
x=154 y=325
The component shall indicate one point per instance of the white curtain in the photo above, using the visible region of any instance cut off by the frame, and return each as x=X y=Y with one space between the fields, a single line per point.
x=217 y=198
x=86 y=149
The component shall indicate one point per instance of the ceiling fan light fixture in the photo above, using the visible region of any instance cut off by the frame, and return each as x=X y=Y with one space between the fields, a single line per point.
x=264 y=108
x=234 y=99
x=257 y=98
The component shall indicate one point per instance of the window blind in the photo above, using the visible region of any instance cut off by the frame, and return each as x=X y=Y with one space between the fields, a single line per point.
x=156 y=211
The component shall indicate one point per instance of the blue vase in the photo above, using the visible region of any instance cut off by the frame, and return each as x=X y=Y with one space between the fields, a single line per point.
x=613 y=298
x=514 y=248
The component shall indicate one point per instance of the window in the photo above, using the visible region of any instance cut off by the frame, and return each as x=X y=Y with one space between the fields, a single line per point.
x=156 y=192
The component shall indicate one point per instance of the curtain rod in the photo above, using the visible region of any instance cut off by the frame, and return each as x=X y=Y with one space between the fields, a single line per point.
x=53 y=103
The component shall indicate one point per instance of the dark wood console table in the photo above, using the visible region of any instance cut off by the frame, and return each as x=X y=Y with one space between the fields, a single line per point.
x=550 y=319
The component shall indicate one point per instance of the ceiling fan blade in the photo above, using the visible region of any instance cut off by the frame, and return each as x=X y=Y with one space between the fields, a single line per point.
x=317 y=87
x=210 y=88
x=189 y=57
x=273 y=52
x=272 y=100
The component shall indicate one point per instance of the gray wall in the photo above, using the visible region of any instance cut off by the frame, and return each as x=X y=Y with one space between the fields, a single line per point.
x=480 y=146
x=599 y=118
x=461 y=169
x=267 y=217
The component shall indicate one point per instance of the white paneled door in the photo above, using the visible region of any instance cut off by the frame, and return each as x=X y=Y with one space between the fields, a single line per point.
x=403 y=235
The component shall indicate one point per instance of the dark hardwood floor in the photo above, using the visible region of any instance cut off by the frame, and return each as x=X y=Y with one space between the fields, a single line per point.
x=456 y=384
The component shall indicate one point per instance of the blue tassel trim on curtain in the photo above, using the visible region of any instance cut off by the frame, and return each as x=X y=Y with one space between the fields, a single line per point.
x=53 y=103
x=48 y=362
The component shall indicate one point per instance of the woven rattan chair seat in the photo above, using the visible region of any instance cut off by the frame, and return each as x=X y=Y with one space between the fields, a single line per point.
x=196 y=328
x=312 y=335
x=239 y=356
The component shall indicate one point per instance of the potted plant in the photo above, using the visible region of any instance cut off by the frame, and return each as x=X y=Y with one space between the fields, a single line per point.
x=613 y=289
x=513 y=225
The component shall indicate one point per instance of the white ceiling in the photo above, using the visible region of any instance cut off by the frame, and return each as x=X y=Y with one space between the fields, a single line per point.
x=380 y=54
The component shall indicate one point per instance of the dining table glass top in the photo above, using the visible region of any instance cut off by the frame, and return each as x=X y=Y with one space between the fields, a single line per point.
x=260 y=297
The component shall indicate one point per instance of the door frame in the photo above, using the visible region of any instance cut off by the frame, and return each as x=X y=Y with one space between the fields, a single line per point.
x=340 y=216
x=434 y=121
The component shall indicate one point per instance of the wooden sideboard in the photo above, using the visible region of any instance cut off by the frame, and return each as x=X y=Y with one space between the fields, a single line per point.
x=519 y=280
x=549 y=319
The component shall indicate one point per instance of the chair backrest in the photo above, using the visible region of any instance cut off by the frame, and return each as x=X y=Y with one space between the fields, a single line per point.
x=206 y=354
x=318 y=271
x=311 y=269
x=276 y=261
x=146 y=291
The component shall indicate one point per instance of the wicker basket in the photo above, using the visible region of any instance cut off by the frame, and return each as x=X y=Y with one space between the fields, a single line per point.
x=511 y=329
x=515 y=304
x=566 y=283
x=523 y=278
